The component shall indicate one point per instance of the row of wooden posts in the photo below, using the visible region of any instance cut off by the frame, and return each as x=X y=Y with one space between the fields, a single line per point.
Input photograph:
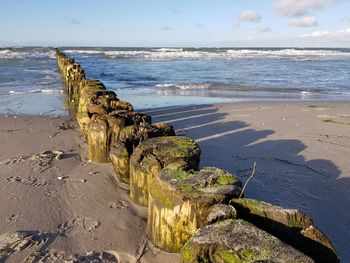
x=194 y=211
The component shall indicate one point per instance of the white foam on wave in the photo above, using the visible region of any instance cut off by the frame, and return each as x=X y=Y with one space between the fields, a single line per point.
x=84 y=51
x=184 y=86
x=10 y=54
x=305 y=93
x=174 y=53
x=166 y=85
x=45 y=91
x=169 y=49
x=126 y=54
x=6 y=53
x=299 y=55
x=285 y=52
x=16 y=92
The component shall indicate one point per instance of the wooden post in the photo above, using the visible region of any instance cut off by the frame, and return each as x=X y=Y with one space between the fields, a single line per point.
x=180 y=202
x=238 y=241
x=154 y=154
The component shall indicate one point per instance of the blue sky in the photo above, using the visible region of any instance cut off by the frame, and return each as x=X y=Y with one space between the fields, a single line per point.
x=197 y=23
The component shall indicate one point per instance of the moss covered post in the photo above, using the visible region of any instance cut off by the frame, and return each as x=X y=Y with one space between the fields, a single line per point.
x=153 y=155
x=181 y=201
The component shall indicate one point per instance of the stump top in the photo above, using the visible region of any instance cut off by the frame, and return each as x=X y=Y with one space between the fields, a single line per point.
x=208 y=186
x=167 y=150
x=238 y=241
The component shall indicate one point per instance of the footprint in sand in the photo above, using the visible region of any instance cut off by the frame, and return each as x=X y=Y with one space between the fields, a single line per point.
x=34 y=241
x=92 y=257
x=30 y=181
x=78 y=226
x=121 y=205
x=14 y=218
x=50 y=192
x=40 y=162
x=11 y=243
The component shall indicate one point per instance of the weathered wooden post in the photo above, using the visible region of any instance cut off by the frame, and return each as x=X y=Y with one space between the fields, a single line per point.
x=128 y=139
x=232 y=241
x=154 y=154
x=181 y=201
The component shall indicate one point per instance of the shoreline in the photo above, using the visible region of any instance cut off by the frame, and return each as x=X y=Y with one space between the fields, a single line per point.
x=308 y=142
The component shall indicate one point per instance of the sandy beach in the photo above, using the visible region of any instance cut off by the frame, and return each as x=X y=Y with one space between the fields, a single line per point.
x=72 y=207
x=69 y=206
x=302 y=152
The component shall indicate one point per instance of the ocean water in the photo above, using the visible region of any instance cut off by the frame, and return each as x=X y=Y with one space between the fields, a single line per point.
x=155 y=77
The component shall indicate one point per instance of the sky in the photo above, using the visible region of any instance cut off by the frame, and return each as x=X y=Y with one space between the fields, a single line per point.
x=175 y=23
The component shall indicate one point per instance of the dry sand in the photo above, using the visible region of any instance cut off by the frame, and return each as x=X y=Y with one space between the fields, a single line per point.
x=302 y=152
x=82 y=212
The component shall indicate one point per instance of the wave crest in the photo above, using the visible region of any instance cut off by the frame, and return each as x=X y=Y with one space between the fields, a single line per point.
x=45 y=91
x=19 y=54
x=209 y=53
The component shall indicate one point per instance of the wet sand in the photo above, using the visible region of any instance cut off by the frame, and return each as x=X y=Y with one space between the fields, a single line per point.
x=71 y=206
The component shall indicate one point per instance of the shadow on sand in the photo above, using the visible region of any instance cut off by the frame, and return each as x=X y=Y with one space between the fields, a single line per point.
x=283 y=176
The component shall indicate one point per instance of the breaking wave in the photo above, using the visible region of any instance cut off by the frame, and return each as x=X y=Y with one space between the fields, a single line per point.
x=18 y=53
x=235 y=88
x=44 y=91
x=202 y=53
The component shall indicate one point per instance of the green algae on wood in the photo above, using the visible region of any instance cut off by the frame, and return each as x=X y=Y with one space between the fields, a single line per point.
x=161 y=151
x=237 y=241
x=98 y=141
x=119 y=157
x=83 y=119
x=87 y=95
x=121 y=105
x=115 y=125
x=127 y=139
x=181 y=201
x=290 y=217
x=220 y=212
x=130 y=117
x=290 y=225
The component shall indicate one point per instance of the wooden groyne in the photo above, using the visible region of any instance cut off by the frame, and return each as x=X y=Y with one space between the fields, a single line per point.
x=197 y=212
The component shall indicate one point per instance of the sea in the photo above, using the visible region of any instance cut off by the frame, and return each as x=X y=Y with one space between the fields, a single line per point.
x=161 y=77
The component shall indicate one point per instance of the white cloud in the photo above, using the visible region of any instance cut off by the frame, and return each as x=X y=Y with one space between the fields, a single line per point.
x=338 y=38
x=342 y=33
x=307 y=21
x=264 y=29
x=249 y=16
x=301 y=7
